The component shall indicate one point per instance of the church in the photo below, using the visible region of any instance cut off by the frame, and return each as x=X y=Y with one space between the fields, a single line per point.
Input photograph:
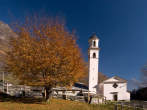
x=114 y=88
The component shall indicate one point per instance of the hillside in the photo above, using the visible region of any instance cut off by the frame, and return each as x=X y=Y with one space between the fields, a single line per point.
x=6 y=34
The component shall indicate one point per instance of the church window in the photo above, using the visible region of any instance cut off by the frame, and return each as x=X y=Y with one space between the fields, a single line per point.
x=94 y=55
x=115 y=85
x=94 y=43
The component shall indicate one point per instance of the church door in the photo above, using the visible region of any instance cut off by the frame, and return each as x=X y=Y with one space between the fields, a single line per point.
x=115 y=97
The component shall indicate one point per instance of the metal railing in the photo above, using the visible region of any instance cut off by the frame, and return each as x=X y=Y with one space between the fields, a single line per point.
x=133 y=105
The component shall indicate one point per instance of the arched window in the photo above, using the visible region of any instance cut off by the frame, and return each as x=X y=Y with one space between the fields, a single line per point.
x=94 y=55
x=94 y=43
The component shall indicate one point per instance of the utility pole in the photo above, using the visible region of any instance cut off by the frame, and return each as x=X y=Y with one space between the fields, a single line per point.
x=3 y=83
x=7 y=87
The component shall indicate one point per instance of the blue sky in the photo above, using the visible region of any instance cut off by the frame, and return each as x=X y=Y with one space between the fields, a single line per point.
x=121 y=26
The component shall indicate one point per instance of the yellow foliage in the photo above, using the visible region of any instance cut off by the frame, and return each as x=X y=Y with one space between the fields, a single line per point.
x=45 y=54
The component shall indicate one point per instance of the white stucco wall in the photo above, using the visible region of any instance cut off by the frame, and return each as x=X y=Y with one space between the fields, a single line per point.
x=93 y=68
x=69 y=93
x=121 y=90
x=96 y=42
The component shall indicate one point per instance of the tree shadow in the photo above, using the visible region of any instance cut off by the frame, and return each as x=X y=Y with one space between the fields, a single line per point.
x=27 y=100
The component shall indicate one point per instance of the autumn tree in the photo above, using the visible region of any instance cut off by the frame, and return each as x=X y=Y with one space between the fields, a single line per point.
x=45 y=54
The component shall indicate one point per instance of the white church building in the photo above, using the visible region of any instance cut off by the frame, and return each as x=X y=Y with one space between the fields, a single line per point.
x=114 y=88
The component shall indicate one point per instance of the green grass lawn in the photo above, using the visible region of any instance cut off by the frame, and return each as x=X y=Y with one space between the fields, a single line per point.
x=54 y=104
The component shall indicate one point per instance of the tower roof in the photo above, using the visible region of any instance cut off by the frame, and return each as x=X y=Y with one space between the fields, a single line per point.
x=94 y=36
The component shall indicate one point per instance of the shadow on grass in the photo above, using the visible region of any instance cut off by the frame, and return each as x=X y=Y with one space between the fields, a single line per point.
x=28 y=100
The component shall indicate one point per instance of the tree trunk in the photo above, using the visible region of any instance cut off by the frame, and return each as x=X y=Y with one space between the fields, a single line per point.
x=47 y=93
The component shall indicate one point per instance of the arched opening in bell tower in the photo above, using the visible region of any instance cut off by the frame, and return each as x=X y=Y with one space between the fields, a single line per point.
x=94 y=43
x=94 y=55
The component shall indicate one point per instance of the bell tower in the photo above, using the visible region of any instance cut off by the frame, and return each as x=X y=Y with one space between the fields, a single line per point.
x=93 y=54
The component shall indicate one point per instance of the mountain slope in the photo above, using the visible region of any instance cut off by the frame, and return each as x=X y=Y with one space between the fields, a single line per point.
x=6 y=34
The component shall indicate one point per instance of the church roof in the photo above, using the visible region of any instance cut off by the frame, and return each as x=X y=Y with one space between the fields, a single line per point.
x=115 y=79
x=102 y=77
x=81 y=85
x=76 y=87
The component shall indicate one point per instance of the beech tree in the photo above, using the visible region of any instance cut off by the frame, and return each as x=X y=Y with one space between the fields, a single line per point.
x=45 y=54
